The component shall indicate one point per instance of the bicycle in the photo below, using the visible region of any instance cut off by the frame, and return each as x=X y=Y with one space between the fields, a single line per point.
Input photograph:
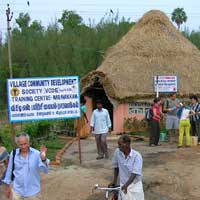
x=115 y=191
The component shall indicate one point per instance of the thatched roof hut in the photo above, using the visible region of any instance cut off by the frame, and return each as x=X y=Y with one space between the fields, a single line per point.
x=152 y=47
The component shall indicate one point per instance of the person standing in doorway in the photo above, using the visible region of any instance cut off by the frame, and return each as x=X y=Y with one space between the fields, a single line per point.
x=23 y=178
x=100 y=126
x=155 y=122
x=195 y=119
x=170 y=107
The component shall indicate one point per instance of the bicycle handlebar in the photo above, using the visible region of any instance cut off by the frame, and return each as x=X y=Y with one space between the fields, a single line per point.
x=110 y=189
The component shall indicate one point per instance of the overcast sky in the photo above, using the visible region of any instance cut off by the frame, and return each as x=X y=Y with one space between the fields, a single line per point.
x=47 y=10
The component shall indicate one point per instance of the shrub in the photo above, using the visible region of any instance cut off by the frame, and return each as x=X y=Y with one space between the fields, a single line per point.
x=132 y=124
x=38 y=129
x=5 y=134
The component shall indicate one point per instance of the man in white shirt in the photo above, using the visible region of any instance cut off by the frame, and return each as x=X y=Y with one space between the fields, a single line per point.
x=100 y=125
x=127 y=164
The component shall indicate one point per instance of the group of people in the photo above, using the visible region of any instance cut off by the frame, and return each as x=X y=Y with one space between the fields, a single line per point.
x=20 y=170
x=21 y=176
x=180 y=118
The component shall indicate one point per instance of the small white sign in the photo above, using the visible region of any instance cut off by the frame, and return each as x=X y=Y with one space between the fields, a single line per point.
x=165 y=84
x=32 y=99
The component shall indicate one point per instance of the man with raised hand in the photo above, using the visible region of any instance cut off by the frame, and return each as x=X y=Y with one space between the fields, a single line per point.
x=28 y=162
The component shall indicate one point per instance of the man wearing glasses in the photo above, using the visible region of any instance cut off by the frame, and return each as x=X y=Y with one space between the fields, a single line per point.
x=25 y=177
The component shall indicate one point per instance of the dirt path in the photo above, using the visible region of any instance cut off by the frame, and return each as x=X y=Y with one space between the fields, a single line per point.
x=169 y=173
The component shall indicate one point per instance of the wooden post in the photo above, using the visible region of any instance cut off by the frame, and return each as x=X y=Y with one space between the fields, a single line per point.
x=79 y=140
x=9 y=16
x=157 y=91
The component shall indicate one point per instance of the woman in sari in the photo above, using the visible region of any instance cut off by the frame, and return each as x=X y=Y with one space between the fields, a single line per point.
x=80 y=124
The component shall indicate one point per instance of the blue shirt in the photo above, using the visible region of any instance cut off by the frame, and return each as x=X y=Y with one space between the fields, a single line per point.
x=127 y=166
x=27 y=172
x=100 y=121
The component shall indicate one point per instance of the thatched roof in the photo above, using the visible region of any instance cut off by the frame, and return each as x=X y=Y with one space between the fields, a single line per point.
x=152 y=47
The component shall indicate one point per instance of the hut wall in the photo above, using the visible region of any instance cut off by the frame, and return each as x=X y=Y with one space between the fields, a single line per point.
x=124 y=111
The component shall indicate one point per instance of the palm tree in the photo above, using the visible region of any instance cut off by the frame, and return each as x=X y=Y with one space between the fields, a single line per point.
x=179 y=16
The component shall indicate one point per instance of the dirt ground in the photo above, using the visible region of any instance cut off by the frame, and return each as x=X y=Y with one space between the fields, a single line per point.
x=169 y=173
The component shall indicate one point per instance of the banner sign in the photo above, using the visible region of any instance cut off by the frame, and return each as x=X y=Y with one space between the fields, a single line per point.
x=165 y=84
x=32 y=99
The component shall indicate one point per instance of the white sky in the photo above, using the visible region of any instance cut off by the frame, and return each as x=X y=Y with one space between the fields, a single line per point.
x=47 y=10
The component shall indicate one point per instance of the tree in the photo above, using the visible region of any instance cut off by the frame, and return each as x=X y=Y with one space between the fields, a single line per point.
x=179 y=16
x=36 y=27
x=23 y=21
x=70 y=19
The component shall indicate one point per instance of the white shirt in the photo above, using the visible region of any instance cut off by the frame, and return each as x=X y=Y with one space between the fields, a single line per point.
x=185 y=114
x=100 y=121
x=127 y=166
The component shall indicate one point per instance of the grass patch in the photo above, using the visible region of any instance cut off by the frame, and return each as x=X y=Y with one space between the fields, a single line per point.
x=145 y=133
x=139 y=133
x=53 y=145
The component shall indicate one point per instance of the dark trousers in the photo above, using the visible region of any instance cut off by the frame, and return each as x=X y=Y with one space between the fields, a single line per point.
x=154 y=132
x=195 y=128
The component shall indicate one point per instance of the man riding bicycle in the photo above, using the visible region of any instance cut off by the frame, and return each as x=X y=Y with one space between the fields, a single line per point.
x=127 y=163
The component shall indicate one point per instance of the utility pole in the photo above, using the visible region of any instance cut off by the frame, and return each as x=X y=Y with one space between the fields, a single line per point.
x=9 y=18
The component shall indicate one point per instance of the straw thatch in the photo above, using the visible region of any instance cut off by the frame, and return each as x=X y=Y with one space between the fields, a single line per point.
x=152 y=47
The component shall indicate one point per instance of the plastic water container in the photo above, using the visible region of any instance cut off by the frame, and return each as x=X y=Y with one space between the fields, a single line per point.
x=194 y=140
x=162 y=137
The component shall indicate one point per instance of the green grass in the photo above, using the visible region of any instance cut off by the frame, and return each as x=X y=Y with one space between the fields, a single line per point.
x=53 y=145
x=145 y=133
x=51 y=154
x=139 y=133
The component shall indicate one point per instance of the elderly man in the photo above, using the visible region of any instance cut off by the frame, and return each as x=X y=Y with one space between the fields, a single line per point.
x=28 y=162
x=127 y=163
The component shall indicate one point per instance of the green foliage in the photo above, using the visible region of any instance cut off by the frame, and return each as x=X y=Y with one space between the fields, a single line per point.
x=5 y=135
x=23 y=21
x=38 y=129
x=132 y=124
x=139 y=133
x=52 y=143
x=179 y=16
x=73 y=49
x=70 y=19
x=193 y=36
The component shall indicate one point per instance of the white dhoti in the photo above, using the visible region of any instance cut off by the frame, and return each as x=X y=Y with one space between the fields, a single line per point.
x=134 y=192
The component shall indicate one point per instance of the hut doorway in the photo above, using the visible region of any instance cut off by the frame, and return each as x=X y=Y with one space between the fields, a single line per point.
x=99 y=93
